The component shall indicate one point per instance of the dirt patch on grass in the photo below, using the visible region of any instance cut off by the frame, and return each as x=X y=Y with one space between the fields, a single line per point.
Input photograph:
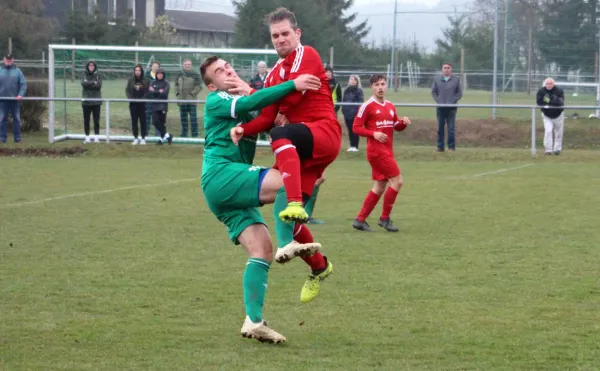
x=42 y=152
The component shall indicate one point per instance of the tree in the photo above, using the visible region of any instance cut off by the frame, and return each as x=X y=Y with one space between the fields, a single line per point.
x=323 y=24
x=24 y=22
x=161 y=33
x=568 y=35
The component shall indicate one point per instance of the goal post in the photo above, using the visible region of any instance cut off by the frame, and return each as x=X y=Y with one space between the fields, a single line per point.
x=583 y=99
x=67 y=63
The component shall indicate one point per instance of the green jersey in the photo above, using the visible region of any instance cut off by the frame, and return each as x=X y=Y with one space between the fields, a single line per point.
x=224 y=111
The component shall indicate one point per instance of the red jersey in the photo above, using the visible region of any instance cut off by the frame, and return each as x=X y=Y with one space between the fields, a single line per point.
x=377 y=117
x=306 y=106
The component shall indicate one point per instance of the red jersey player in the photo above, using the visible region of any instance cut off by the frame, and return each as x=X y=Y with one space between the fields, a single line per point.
x=306 y=139
x=377 y=120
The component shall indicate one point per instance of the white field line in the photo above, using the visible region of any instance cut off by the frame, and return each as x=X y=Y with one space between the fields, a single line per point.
x=481 y=175
x=83 y=194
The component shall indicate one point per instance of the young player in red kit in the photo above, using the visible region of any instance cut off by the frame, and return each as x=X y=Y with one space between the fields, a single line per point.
x=306 y=138
x=377 y=120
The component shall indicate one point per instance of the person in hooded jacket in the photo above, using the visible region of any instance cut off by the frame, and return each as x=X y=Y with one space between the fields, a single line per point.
x=137 y=88
x=336 y=89
x=151 y=76
x=159 y=90
x=91 y=83
x=352 y=94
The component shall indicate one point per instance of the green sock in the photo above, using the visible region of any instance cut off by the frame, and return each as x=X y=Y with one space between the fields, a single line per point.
x=310 y=205
x=255 y=287
x=283 y=230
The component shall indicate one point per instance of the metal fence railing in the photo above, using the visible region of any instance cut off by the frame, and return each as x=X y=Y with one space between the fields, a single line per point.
x=107 y=108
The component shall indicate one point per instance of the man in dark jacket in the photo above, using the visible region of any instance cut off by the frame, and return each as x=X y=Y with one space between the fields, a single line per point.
x=258 y=81
x=13 y=85
x=549 y=96
x=446 y=89
x=352 y=94
x=159 y=90
x=91 y=83
x=187 y=87
x=336 y=89
x=137 y=88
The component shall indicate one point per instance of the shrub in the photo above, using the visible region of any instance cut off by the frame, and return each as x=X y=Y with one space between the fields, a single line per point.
x=33 y=112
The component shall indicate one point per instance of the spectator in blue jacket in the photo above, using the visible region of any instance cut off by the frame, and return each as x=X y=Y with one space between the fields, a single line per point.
x=13 y=85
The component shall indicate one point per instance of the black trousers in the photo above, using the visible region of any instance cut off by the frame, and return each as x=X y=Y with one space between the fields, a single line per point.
x=159 y=120
x=138 y=114
x=95 y=112
x=354 y=139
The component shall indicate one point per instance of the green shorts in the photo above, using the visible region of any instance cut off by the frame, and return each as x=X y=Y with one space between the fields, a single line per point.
x=232 y=193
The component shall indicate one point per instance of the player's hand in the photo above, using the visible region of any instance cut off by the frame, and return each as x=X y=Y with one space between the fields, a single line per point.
x=380 y=137
x=19 y=97
x=546 y=99
x=405 y=120
x=151 y=88
x=281 y=120
x=236 y=134
x=307 y=82
x=237 y=86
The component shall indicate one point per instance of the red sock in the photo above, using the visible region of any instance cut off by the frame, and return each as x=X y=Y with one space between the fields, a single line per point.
x=288 y=163
x=388 y=202
x=316 y=262
x=368 y=205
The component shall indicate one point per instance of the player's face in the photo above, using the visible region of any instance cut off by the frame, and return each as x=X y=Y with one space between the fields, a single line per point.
x=329 y=74
x=218 y=72
x=549 y=84
x=352 y=81
x=155 y=67
x=378 y=88
x=285 y=39
x=187 y=65
x=262 y=69
x=446 y=70
x=138 y=71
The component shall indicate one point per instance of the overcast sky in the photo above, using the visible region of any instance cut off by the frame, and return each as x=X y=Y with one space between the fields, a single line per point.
x=422 y=27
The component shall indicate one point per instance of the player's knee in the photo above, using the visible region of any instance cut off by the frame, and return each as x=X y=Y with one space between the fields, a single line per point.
x=279 y=132
x=379 y=186
x=320 y=181
x=396 y=182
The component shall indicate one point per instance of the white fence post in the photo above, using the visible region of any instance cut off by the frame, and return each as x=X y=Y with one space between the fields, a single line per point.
x=533 y=131
x=107 y=121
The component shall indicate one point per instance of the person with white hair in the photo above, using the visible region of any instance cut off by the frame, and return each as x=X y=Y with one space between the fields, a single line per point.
x=550 y=97
x=258 y=81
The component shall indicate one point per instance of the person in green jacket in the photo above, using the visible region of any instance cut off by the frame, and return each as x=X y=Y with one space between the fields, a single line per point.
x=91 y=83
x=187 y=87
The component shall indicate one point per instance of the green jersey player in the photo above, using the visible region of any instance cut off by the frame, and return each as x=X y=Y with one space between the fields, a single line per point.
x=234 y=188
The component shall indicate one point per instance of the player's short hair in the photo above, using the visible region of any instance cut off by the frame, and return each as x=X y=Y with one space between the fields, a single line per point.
x=155 y=62
x=376 y=78
x=281 y=14
x=447 y=64
x=186 y=60
x=204 y=67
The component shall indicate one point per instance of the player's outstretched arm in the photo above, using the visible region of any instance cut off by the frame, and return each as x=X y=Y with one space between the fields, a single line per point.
x=262 y=123
x=268 y=96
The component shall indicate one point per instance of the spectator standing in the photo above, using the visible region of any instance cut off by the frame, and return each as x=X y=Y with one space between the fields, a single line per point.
x=547 y=97
x=446 y=90
x=151 y=76
x=336 y=89
x=258 y=81
x=91 y=82
x=137 y=88
x=159 y=90
x=187 y=87
x=12 y=85
x=352 y=94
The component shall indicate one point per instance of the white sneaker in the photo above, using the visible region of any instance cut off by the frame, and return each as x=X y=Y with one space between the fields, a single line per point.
x=293 y=249
x=87 y=140
x=352 y=149
x=96 y=140
x=261 y=332
x=135 y=142
x=142 y=142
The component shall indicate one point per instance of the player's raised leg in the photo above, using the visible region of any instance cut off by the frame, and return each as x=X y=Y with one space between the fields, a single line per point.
x=272 y=191
x=360 y=223
x=389 y=199
x=290 y=144
x=257 y=242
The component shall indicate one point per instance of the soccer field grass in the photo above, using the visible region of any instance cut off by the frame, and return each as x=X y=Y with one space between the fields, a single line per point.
x=112 y=261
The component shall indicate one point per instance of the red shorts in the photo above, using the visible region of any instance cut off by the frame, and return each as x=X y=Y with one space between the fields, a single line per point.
x=327 y=142
x=384 y=168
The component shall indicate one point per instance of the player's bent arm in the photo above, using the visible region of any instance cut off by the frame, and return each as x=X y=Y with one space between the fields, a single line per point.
x=399 y=124
x=262 y=98
x=263 y=122
x=359 y=126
